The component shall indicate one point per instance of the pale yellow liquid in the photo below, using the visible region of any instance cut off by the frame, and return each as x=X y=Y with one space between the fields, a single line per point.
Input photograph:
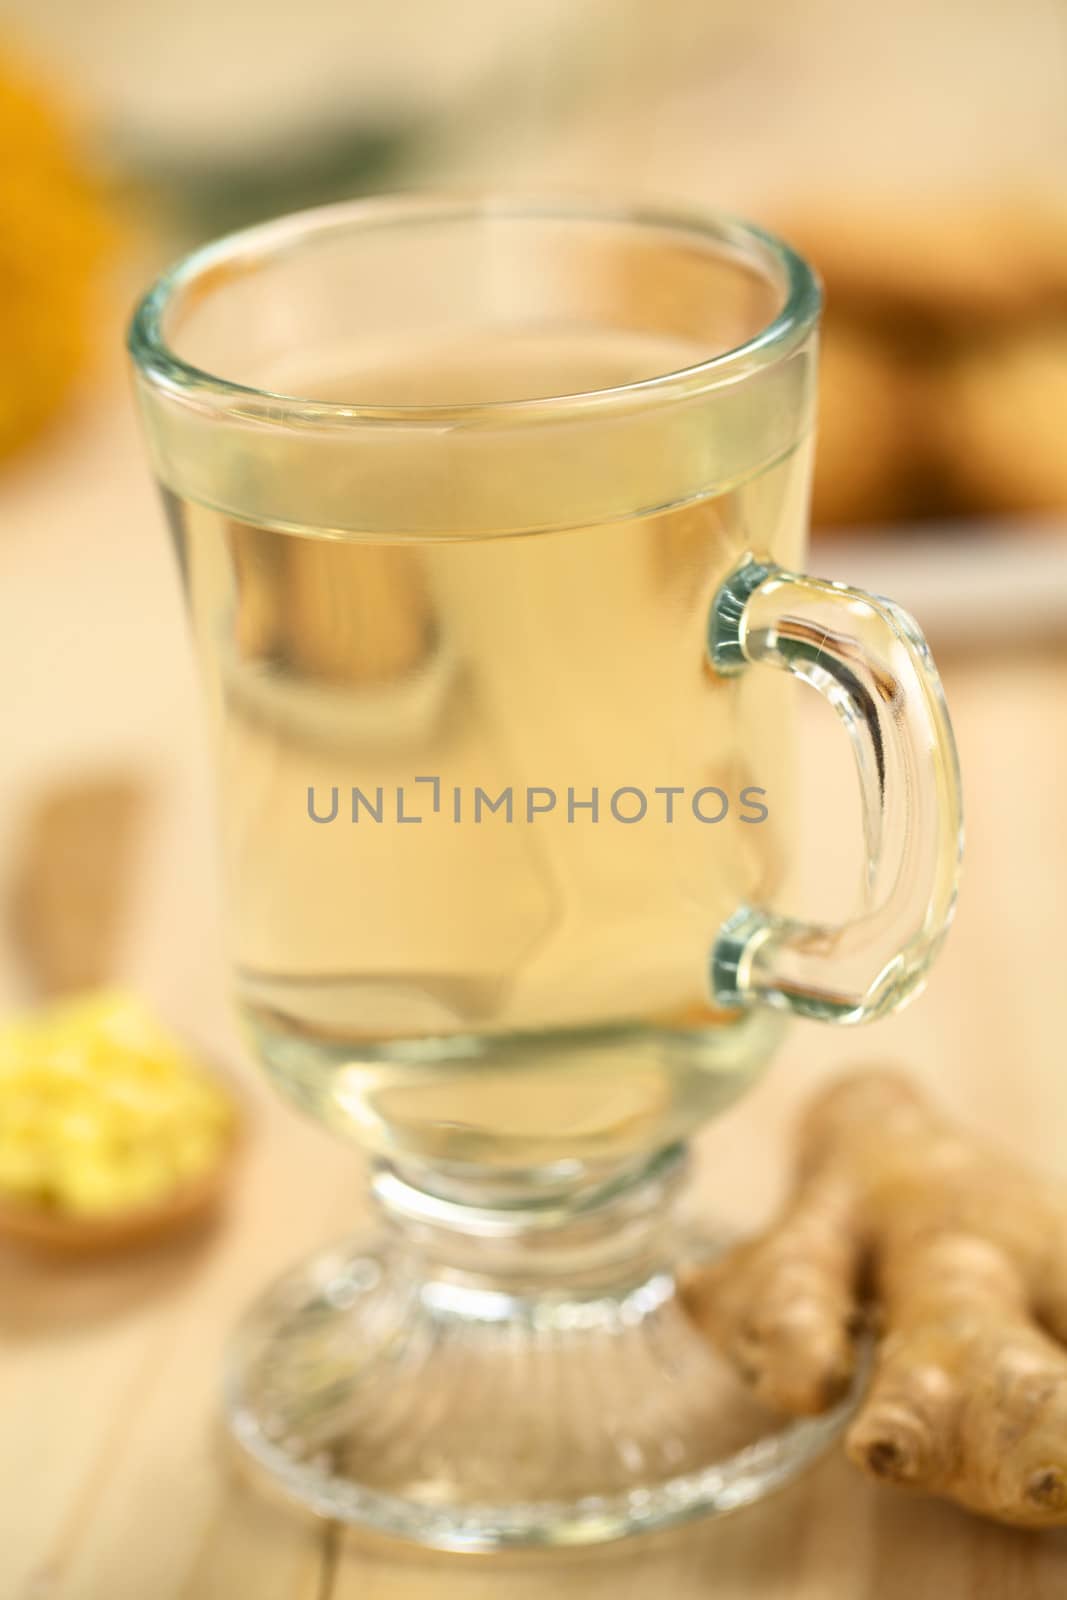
x=518 y=994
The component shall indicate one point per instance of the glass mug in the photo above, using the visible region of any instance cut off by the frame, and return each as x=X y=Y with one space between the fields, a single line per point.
x=489 y=516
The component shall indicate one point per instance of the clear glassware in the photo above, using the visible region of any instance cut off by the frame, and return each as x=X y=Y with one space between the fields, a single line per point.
x=490 y=516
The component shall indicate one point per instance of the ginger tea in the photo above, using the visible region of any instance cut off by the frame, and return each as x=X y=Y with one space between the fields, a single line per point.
x=483 y=797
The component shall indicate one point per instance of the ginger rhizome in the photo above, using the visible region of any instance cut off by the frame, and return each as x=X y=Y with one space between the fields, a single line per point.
x=962 y=1255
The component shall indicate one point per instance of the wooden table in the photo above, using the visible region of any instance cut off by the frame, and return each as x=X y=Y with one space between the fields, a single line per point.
x=115 y=1480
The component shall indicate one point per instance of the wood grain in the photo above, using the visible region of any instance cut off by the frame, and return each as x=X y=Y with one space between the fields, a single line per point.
x=115 y=1480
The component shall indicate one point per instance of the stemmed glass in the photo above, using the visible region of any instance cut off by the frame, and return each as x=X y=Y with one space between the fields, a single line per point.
x=490 y=516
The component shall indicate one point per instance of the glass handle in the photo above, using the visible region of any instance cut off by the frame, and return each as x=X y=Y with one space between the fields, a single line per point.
x=870 y=661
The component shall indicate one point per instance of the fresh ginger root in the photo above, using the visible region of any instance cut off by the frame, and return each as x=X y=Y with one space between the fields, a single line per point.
x=963 y=1254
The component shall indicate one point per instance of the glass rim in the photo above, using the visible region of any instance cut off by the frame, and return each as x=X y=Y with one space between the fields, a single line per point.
x=745 y=241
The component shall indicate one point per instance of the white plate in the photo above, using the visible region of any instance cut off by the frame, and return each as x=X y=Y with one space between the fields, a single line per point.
x=965 y=582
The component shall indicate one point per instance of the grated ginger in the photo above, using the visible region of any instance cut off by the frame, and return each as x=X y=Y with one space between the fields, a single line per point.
x=102 y=1112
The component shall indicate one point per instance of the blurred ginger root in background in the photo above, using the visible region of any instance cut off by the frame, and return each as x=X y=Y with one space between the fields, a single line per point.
x=944 y=362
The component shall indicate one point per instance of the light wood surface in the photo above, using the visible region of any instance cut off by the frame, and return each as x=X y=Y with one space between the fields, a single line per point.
x=115 y=1480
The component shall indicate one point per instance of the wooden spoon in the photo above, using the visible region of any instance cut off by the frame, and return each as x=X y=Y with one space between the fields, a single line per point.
x=69 y=907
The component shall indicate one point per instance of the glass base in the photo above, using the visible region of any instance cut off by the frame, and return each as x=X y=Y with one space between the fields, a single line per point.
x=480 y=1376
